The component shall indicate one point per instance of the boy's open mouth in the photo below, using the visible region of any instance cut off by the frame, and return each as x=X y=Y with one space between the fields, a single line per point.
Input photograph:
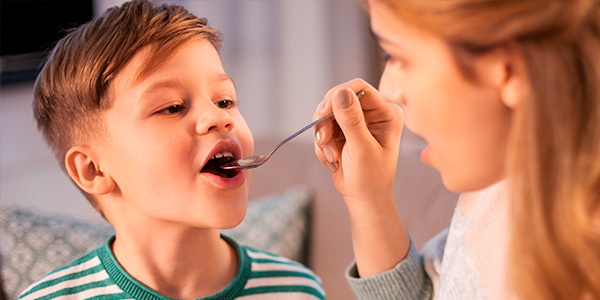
x=214 y=164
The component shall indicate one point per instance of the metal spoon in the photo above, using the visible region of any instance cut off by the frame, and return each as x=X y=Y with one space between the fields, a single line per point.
x=255 y=161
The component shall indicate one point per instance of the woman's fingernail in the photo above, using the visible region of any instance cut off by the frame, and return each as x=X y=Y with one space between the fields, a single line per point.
x=320 y=106
x=331 y=167
x=344 y=99
x=318 y=135
x=328 y=154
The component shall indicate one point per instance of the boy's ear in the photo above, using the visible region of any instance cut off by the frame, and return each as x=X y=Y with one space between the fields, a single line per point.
x=87 y=173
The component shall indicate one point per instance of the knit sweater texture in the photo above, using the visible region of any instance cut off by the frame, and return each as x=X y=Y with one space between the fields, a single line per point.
x=466 y=261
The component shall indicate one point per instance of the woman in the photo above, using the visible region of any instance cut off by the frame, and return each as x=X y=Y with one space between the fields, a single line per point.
x=506 y=94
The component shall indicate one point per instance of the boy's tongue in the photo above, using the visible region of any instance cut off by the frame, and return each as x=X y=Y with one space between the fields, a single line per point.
x=213 y=166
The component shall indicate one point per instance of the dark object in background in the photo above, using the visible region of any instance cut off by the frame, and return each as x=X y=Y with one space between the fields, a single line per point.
x=28 y=29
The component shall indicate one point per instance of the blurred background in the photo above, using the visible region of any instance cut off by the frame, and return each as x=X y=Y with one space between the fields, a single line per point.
x=283 y=57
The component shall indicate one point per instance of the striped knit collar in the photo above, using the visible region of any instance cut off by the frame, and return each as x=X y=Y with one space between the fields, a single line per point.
x=139 y=291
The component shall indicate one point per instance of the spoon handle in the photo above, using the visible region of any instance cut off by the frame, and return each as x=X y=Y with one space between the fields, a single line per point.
x=359 y=94
x=302 y=130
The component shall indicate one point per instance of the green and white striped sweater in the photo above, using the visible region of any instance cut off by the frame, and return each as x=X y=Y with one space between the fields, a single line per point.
x=98 y=275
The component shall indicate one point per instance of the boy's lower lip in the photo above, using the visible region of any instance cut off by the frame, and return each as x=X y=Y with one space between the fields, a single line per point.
x=226 y=182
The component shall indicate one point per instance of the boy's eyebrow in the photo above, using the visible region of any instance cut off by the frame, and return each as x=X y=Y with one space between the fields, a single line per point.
x=225 y=77
x=221 y=77
x=162 y=84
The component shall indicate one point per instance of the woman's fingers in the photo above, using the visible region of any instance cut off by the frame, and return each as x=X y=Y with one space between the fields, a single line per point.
x=328 y=131
x=360 y=128
x=350 y=117
x=326 y=145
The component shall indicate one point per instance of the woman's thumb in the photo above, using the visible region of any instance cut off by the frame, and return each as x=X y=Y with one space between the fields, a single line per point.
x=349 y=116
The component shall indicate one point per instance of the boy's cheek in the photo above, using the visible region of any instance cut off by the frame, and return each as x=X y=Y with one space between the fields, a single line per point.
x=248 y=179
x=246 y=140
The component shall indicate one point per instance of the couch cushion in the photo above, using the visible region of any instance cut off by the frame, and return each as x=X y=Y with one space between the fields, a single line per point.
x=278 y=223
x=33 y=243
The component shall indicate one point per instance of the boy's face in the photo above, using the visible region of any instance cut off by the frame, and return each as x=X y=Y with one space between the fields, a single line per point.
x=162 y=132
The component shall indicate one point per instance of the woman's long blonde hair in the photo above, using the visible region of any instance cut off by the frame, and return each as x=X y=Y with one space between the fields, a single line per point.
x=554 y=154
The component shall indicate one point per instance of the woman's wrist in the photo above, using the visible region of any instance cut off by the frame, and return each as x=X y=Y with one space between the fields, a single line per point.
x=370 y=208
x=379 y=237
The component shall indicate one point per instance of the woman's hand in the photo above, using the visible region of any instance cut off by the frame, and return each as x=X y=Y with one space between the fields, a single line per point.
x=360 y=147
x=360 y=144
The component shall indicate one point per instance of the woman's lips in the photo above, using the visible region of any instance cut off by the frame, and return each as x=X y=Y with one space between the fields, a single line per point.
x=425 y=155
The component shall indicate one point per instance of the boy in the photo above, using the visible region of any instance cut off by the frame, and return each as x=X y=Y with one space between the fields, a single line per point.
x=140 y=113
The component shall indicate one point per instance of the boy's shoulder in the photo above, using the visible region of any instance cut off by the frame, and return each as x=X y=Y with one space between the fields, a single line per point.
x=261 y=275
x=276 y=275
x=84 y=278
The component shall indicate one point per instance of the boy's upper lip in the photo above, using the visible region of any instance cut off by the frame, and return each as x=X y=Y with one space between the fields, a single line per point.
x=222 y=146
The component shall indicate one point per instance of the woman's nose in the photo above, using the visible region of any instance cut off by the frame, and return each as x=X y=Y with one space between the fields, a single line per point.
x=390 y=86
x=213 y=119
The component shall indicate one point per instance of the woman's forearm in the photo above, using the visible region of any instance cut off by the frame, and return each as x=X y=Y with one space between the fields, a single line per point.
x=379 y=237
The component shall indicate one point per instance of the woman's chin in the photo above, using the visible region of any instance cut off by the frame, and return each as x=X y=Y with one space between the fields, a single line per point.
x=462 y=185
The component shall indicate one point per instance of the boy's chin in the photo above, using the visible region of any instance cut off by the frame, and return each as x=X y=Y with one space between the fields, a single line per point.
x=232 y=223
x=232 y=218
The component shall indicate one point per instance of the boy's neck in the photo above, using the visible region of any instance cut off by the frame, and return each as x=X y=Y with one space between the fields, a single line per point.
x=181 y=265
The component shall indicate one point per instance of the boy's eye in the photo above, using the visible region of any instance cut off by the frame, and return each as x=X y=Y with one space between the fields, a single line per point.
x=227 y=103
x=173 y=109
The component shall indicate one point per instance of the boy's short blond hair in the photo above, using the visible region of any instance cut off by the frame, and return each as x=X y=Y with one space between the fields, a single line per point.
x=70 y=93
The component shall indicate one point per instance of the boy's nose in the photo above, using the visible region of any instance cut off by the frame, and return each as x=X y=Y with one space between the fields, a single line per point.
x=214 y=119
